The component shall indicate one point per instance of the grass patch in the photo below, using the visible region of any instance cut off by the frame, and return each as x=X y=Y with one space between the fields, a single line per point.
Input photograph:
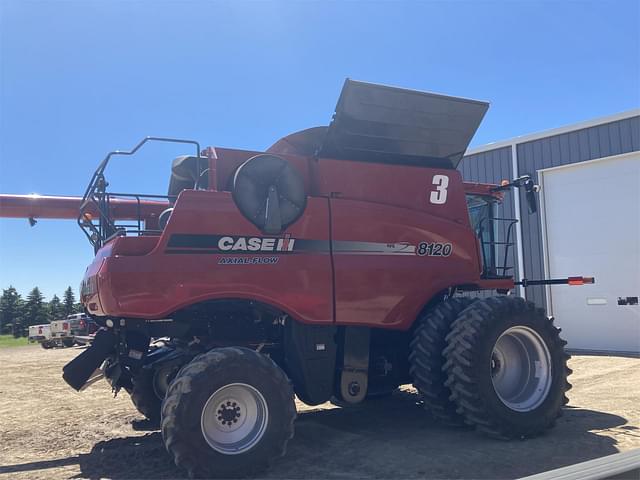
x=9 y=341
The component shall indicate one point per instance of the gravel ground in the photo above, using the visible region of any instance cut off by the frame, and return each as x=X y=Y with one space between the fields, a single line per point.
x=48 y=431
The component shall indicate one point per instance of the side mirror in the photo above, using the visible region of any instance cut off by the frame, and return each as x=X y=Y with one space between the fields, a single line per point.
x=531 y=189
x=531 y=201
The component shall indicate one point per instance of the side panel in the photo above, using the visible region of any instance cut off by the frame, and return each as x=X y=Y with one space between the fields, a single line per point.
x=382 y=275
x=186 y=267
x=400 y=186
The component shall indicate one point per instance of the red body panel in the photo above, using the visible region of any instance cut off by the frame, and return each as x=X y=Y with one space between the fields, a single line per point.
x=159 y=283
x=389 y=289
x=361 y=227
x=361 y=231
x=401 y=186
x=388 y=204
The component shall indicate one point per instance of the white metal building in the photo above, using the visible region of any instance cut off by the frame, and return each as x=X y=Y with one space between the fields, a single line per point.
x=588 y=223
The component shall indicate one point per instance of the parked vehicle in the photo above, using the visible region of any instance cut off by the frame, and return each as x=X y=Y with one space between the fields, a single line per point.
x=61 y=333
x=81 y=324
x=41 y=334
x=329 y=266
x=83 y=328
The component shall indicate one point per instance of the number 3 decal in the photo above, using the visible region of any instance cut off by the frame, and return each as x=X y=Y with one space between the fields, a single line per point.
x=440 y=195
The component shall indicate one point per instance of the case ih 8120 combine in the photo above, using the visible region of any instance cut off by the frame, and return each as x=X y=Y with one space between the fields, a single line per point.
x=328 y=266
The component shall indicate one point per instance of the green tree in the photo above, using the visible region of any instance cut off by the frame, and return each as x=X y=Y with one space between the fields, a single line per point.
x=11 y=310
x=69 y=302
x=56 y=311
x=35 y=309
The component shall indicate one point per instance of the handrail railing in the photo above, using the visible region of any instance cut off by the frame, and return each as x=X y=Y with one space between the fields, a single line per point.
x=493 y=267
x=96 y=195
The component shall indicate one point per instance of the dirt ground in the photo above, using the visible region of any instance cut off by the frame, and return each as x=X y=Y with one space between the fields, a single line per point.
x=48 y=431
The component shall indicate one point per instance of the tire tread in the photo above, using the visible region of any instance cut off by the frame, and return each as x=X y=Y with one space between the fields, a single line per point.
x=464 y=338
x=174 y=437
x=426 y=358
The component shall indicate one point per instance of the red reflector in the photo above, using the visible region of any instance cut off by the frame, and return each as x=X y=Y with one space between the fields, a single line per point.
x=576 y=281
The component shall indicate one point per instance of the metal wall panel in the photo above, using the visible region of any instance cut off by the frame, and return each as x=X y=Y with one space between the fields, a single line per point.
x=604 y=140
x=492 y=167
x=600 y=141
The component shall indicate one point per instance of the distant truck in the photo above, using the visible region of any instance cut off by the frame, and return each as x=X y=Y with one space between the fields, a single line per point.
x=61 y=332
x=72 y=330
x=83 y=328
x=41 y=334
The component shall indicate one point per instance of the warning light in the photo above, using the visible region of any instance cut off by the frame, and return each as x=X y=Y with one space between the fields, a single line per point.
x=580 y=280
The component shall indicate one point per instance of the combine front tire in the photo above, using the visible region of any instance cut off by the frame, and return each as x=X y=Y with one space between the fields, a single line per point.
x=228 y=413
x=426 y=358
x=507 y=368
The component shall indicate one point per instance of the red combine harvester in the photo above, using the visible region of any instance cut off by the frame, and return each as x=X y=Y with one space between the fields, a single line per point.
x=331 y=265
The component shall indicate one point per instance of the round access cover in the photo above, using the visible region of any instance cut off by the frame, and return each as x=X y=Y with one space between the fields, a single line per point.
x=269 y=192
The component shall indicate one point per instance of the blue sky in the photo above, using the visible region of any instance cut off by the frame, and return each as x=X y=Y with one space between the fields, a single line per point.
x=79 y=78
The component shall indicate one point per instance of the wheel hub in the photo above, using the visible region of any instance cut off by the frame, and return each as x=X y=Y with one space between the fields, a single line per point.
x=234 y=418
x=229 y=413
x=520 y=369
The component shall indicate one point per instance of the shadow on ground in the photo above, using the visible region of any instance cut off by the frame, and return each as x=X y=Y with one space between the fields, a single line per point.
x=387 y=438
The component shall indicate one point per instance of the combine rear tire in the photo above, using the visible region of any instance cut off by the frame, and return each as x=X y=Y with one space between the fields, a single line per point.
x=507 y=368
x=144 y=397
x=426 y=358
x=228 y=413
x=149 y=388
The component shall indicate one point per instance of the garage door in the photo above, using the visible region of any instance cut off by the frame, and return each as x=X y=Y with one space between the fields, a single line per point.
x=592 y=226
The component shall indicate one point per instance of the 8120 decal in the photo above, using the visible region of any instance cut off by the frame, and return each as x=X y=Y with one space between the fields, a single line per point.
x=434 y=249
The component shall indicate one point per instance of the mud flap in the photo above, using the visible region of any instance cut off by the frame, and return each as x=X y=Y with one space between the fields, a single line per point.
x=80 y=369
x=310 y=358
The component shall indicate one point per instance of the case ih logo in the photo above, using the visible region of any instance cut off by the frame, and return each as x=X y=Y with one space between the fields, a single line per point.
x=256 y=244
x=230 y=244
